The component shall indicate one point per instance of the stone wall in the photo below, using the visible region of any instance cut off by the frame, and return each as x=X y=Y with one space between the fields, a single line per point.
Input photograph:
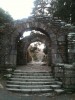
x=66 y=74
x=49 y=28
x=53 y=29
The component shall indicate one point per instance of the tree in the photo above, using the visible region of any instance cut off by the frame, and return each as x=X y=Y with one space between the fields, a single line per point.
x=64 y=10
x=6 y=28
x=32 y=50
x=4 y=16
x=73 y=12
x=41 y=8
x=5 y=19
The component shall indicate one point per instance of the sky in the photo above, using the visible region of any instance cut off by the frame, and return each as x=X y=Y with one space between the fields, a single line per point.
x=26 y=33
x=18 y=9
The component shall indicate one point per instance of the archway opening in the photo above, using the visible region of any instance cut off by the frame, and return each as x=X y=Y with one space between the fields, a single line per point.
x=36 y=51
x=33 y=39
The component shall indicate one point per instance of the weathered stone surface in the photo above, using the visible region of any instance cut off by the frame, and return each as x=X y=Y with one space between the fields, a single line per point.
x=68 y=74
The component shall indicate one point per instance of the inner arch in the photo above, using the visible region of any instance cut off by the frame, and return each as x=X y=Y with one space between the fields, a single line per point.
x=24 y=43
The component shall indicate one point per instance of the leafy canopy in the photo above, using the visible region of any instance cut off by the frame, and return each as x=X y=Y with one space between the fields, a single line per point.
x=5 y=17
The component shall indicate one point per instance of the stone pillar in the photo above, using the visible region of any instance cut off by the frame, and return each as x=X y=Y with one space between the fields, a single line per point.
x=25 y=58
x=13 y=51
x=66 y=74
x=69 y=77
x=25 y=53
x=49 y=56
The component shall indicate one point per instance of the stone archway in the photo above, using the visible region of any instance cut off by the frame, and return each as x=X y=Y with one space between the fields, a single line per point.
x=30 y=24
x=52 y=29
x=25 y=42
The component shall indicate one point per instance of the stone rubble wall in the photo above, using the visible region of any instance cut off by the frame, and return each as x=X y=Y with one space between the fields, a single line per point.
x=66 y=74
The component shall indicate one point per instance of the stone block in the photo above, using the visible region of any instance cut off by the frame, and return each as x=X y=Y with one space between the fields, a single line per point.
x=59 y=75
x=73 y=80
x=67 y=81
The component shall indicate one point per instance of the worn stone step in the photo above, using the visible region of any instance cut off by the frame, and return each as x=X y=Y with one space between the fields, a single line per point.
x=8 y=75
x=9 y=69
x=29 y=86
x=32 y=80
x=30 y=90
x=32 y=77
x=58 y=82
x=29 y=83
x=55 y=86
x=58 y=91
x=32 y=73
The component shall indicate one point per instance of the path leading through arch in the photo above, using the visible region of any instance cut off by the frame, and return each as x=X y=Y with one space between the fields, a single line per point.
x=35 y=67
x=34 y=79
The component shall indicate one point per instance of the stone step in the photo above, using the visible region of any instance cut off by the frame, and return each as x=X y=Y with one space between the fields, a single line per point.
x=30 y=90
x=58 y=82
x=59 y=91
x=30 y=83
x=32 y=73
x=9 y=69
x=17 y=71
x=55 y=86
x=32 y=77
x=32 y=80
x=29 y=86
x=8 y=75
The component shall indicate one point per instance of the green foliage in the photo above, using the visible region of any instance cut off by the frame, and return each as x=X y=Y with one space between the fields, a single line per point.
x=6 y=28
x=40 y=8
x=37 y=2
x=33 y=52
x=32 y=49
x=5 y=20
x=64 y=9
x=5 y=17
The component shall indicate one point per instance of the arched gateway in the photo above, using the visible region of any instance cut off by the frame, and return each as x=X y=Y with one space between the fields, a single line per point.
x=55 y=36
x=23 y=45
x=52 y=29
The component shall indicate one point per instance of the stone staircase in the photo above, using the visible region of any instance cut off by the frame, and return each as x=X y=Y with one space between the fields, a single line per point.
x=33 y=83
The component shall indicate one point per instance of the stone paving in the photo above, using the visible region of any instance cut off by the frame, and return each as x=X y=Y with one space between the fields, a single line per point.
x=4 y=95
x=35 y=67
